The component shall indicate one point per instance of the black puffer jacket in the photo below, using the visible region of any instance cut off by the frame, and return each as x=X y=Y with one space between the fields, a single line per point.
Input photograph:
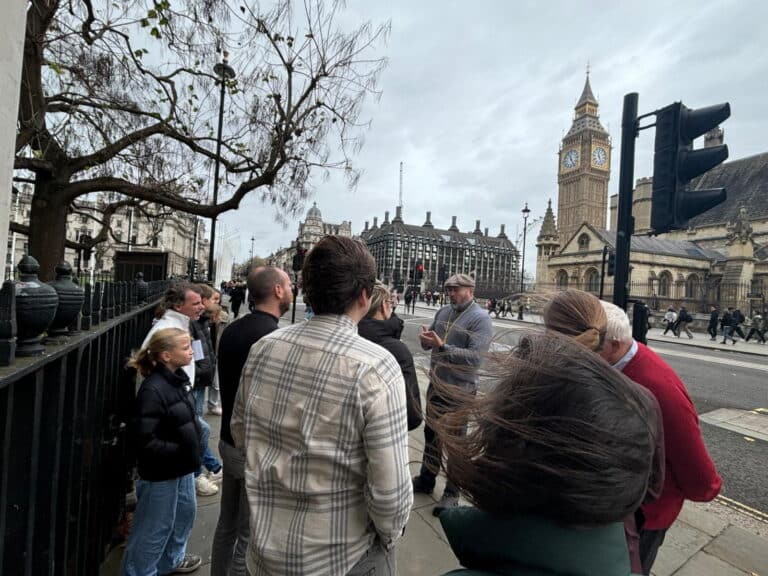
x=383 y=333
x=166 y=428
x=205 y=369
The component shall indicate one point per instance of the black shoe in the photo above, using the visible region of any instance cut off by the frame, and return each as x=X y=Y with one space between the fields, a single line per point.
x=190 y=563
x=422 y=486
x=446 y=502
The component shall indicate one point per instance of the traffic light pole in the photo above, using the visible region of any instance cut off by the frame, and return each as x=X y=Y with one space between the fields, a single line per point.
x=625 y=226
x=602 y=271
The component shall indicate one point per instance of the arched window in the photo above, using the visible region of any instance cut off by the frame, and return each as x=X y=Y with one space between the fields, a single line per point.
x=692 y=284
x=592 y=281
x=584 y=242
x=665 y=283
x=562 y=279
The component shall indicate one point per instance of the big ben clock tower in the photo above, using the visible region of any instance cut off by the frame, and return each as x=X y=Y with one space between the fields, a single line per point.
x=584 y=169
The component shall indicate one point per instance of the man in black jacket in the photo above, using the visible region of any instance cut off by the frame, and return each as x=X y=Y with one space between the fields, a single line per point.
x=712 y=326
x=271 y=294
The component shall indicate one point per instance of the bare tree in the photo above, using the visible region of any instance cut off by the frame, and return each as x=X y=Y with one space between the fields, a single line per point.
x=120 y=98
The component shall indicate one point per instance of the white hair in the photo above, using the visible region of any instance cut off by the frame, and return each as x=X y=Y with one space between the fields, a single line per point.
x=617 y=327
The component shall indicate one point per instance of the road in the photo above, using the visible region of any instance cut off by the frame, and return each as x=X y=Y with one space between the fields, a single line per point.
x=714 y=380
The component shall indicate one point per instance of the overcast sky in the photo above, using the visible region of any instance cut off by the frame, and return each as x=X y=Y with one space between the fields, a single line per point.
x=477 y=96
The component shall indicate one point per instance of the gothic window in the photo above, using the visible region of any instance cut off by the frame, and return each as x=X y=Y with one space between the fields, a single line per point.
x=562 y=279
x=583 y=243
x=692 y=286
x=592 y=281
x=665 y=283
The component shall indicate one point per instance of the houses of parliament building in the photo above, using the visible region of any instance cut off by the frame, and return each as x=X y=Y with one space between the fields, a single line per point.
x=722 y=258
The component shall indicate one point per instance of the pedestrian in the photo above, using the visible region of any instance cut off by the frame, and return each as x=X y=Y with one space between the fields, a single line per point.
x=683 y=319
x=167 y=452
x=690 y=472
x=726 y=323
x=414 y=297
x=757 y=327
x=209 y=320
x=458 y=338
x=377 y=328
x=320 y=413
x=712 y=326
x=205 y=370
x=271 y=292
x=670 y=319
x=737 y=319
x=182 y=304
x=408 y=298
x=236 y=298
x=550 y=477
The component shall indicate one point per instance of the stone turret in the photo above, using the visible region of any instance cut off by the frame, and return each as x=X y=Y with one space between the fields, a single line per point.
x=547 y=244
x=428 y=223
x=398 y=215
x=453 y=227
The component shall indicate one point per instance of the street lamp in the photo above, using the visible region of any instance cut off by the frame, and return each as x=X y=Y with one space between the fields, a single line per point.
x=526 y=213
x=224 y=72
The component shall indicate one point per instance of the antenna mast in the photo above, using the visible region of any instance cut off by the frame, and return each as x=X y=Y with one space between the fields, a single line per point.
x=400 y=197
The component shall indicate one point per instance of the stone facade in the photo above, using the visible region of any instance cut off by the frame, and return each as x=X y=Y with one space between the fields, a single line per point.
x=721 y=258
x=397 y=247
x=131 y=231
x=310 y=232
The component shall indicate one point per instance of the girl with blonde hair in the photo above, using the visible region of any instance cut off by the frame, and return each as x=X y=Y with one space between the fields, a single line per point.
x=168 y=454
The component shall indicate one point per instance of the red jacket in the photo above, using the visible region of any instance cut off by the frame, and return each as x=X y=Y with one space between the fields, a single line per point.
x=690 y=473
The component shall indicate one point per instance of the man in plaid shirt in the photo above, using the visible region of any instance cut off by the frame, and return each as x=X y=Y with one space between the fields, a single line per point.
x=321 y=415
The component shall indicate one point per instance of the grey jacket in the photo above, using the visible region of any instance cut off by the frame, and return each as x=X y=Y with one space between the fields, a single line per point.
x=469 y=335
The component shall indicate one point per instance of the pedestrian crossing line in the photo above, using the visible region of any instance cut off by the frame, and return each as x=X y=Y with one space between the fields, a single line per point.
x=761 y=410
x=711 y=359
x=748 y=510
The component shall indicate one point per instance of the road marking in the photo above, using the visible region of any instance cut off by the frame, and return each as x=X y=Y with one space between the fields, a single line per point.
x=749 y=424
x=725 y=501
x=711 y=359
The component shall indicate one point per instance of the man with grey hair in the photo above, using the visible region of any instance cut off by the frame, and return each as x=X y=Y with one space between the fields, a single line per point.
x=458 y=337
x=689 y=471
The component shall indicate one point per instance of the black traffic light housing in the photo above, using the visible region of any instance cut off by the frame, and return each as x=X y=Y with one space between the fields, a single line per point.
x=419 y=271
x=611 y=263
x=298 y=259
x=676 y=163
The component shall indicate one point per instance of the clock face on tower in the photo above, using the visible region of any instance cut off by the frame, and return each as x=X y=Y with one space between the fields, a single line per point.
x=571 y=158
x=599 y=157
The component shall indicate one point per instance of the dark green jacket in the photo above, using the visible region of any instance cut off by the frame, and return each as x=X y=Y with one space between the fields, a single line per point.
x=489 y=545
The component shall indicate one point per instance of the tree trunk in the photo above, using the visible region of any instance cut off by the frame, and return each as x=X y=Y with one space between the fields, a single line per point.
x=47 y=228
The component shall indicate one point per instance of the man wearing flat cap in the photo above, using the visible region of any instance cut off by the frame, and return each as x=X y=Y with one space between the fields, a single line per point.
x=458 y=337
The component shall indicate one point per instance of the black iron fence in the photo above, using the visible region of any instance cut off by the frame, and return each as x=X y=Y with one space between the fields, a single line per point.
x=63 y=450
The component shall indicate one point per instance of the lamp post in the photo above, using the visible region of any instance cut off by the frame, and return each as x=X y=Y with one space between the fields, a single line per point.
x=526 y=213
x=224 y=72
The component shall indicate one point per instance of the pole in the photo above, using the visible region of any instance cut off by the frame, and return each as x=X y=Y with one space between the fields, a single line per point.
x=625 y=226
x=130 y=228
x=602 y=271
x=295 y=291
x=526 y=212
x=224 y=72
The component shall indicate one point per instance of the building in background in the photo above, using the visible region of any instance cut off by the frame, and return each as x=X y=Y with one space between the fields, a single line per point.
x=400 y=249
x=182 y=236
x=309 y=233
x=722 y=258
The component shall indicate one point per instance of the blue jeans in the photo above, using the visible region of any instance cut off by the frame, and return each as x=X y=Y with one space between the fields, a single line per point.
x=728 y=333
x=162 y=523
x=210 y=462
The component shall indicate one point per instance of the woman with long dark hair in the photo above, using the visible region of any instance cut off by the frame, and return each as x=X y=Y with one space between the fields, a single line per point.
x=558 y=453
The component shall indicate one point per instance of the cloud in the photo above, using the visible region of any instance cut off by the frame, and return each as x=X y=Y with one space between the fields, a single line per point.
x=477 y=97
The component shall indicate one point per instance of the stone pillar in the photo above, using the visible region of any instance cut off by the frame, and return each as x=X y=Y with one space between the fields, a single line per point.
x=11 y=49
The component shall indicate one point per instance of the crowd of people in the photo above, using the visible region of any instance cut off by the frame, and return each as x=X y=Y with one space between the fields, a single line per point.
x=576 y=457
x=729 y=324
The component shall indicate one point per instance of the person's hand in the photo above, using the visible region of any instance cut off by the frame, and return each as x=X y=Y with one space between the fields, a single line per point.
x=430 y=339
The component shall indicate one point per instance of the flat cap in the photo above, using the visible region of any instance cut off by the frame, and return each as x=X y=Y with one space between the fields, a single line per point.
x=460 y=280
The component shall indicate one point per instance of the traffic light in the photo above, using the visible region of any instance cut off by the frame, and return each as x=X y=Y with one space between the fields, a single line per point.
x=676 y=163
x=298 y=259
x=611 y=263
x=419 y=271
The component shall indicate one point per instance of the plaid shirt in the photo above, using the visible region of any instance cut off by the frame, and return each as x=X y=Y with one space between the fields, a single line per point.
x=320 y=413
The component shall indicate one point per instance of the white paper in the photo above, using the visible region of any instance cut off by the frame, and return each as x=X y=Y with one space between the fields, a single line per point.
x=197 y=348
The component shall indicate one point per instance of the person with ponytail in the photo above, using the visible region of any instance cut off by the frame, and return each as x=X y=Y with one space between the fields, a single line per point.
x=168 y=454
x=557 y=454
